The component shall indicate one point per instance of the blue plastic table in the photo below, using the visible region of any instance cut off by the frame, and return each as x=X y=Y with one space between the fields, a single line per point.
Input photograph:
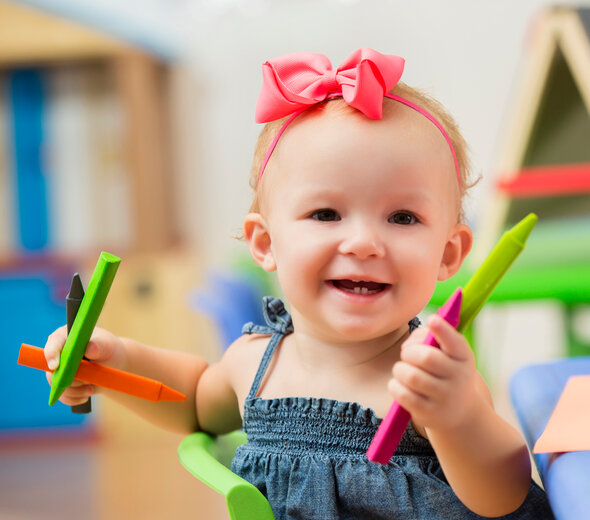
x=535 y=390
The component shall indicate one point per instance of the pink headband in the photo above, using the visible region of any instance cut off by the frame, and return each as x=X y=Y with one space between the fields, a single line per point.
x=294 y=82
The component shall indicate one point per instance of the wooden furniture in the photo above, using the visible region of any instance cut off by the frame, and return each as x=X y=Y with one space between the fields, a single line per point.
x=32 y=39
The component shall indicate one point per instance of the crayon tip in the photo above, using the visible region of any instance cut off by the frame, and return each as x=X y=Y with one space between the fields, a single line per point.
x=54 y=394
x=169 y=394
x=110 y=258
x=521 y=231
x=451 y=310
x=76 y=288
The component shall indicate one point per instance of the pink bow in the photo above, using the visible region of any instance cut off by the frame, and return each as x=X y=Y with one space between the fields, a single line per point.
x=296 y=81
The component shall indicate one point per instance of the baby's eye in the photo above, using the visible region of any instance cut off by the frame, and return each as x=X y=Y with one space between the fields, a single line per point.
x=403 y=218
x=325 y=215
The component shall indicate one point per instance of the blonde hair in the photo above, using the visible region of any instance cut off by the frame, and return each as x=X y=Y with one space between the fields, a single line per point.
x=414 y=95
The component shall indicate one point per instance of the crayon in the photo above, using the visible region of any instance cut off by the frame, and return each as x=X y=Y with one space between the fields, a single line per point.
x=107 y=377
x=396 y=421
x=475 y=293
x=84 y=324
x=73 y=301
x=478 y=289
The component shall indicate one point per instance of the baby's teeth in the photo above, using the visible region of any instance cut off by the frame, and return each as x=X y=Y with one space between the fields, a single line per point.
x=357 y=290
x=364 y=290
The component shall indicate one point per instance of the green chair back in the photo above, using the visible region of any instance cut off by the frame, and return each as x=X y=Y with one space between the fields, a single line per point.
x=209 y=458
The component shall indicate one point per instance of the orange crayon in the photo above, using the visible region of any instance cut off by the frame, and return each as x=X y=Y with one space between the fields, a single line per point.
x=107 y=377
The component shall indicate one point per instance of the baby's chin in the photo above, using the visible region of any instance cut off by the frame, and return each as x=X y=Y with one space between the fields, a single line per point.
x=360 y=330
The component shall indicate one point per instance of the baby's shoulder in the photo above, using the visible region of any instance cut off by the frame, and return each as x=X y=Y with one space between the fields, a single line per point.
x=245 y=346
x=242 y=358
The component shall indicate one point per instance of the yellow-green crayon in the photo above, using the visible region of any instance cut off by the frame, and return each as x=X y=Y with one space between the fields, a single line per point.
x=84 y=324
x=485 y=279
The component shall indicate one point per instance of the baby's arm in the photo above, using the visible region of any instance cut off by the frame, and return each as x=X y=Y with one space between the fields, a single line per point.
x=225 y=385
x=485 y=460
x=179 y=370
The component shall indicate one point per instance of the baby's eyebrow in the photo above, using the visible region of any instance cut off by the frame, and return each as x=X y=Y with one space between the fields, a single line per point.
x=409 y=196
x=419 y=196
x=314 y=193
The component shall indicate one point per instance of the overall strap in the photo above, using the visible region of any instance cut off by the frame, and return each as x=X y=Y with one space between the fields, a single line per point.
x=279 y=324
x=264 y=362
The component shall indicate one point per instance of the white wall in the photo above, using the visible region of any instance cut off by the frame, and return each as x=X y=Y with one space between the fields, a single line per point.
x=464 y=52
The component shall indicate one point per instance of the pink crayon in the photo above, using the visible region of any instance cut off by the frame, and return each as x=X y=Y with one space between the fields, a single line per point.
x=396 y=421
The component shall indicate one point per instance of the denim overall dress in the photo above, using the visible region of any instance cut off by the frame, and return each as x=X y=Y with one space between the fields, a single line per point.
x=307 y=456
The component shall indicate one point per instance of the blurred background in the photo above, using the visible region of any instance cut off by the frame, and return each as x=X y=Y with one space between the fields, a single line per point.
x=128 y=127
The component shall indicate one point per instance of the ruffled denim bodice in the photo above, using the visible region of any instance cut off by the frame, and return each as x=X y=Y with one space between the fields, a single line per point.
x=307 y=456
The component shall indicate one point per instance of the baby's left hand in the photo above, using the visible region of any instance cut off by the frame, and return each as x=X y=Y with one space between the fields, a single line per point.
x=437 y=386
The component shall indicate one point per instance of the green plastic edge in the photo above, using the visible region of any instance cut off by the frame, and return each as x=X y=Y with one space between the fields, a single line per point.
x=208 y=457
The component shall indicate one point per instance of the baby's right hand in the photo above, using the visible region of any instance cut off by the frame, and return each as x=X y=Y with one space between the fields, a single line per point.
x=104 y=348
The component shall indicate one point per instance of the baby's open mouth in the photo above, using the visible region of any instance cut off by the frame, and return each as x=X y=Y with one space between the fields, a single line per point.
x=359 y=286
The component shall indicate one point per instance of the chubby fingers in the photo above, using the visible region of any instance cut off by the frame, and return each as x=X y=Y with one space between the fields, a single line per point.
x=454 y=350
x=451 y=342
x=77 y=393
x=430 y=382
x=53 y=347
x=414 y=389
x=99 y=347
x=423 y=368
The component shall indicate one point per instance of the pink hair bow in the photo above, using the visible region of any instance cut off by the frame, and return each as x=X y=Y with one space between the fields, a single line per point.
x=296 y=81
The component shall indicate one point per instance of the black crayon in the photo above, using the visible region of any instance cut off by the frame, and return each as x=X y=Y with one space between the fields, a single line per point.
x=73 y=301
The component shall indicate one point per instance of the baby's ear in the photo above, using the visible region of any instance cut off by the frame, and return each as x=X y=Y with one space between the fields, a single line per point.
x=259 y=243
x=456 y=249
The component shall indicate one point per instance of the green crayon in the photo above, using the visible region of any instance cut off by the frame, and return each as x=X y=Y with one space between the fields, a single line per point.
x=84 y=324
x=485 y=279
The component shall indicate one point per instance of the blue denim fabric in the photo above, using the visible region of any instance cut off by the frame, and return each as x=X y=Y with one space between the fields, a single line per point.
x=307 y=456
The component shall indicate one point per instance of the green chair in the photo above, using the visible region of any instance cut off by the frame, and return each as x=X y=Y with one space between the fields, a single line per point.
x=568 y=285
x=209 y=458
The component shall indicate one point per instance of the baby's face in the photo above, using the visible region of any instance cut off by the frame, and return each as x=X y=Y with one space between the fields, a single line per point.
x=360 y=214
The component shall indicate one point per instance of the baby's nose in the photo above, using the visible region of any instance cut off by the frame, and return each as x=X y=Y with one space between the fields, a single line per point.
x=364 y=242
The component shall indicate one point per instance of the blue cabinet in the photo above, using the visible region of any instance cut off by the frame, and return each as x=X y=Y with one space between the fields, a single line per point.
x=32 y=304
